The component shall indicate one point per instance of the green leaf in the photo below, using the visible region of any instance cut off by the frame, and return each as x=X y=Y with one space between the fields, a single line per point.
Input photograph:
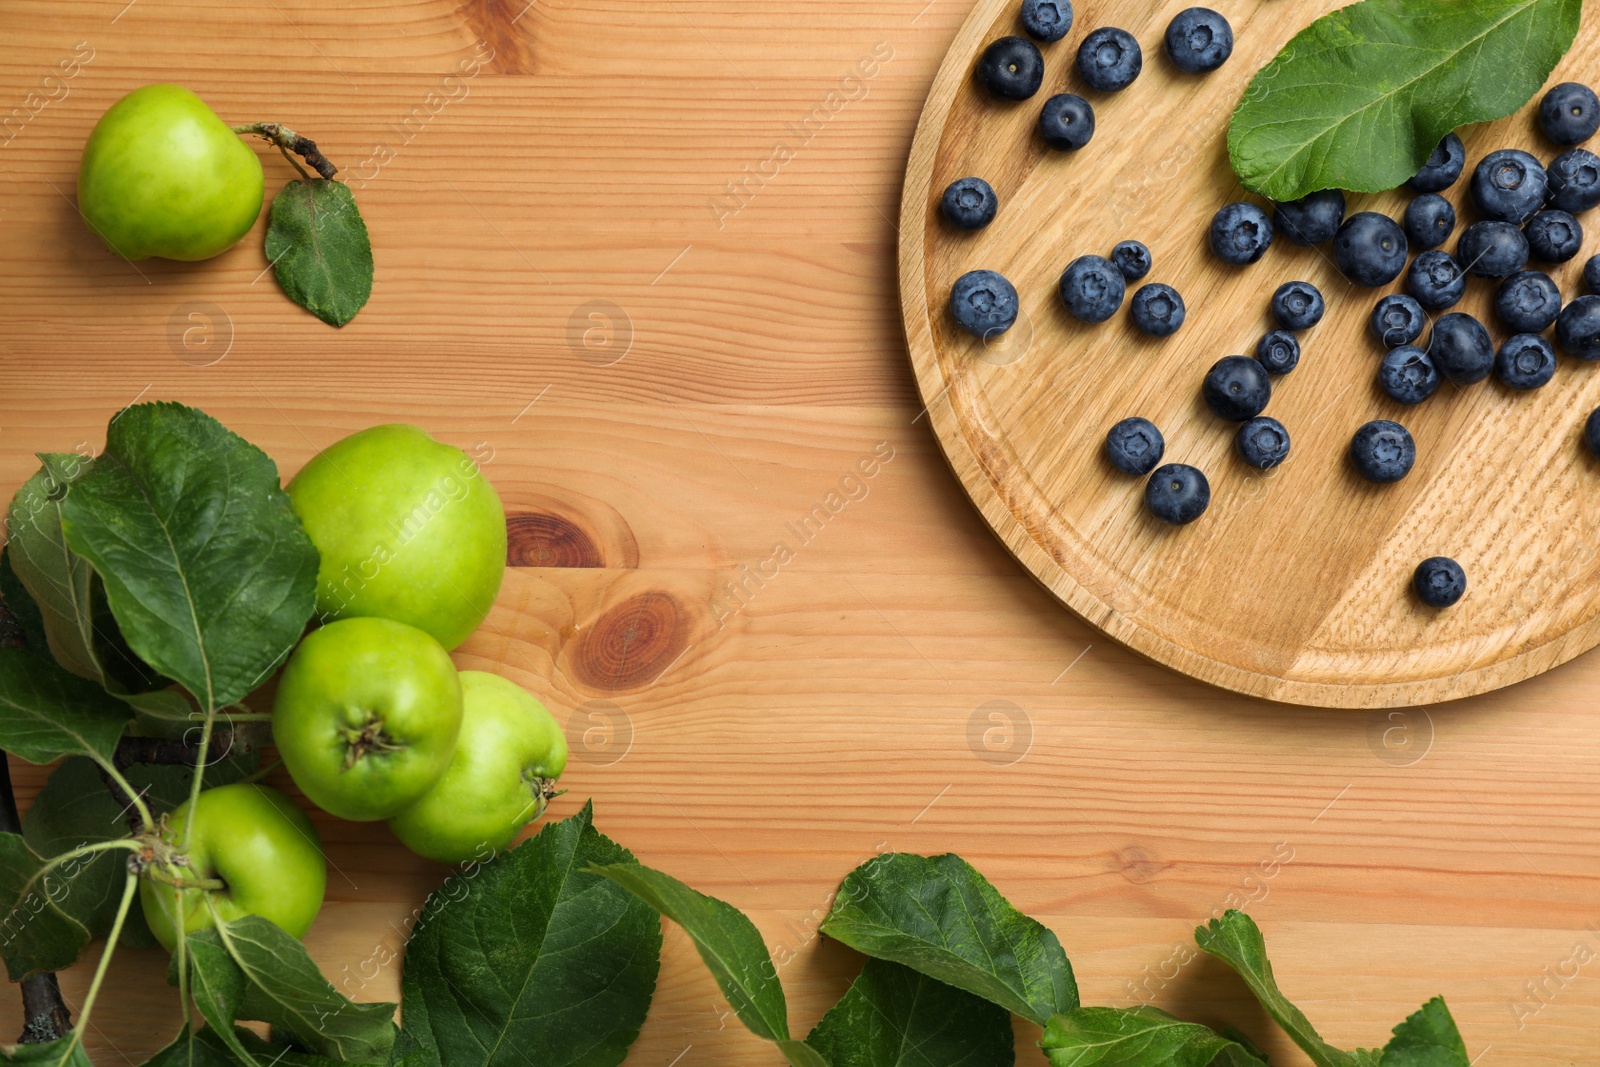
x=190 y=1049
x=46 y=713
x=24 y=612
x=1428 y=1038
x=894 y=1017
x=206 y=567
x=1132 y=1037
x=213 y=1048
x=62 y=1052
x=36 y=932
x=319 y=247
x=1236 y=940
x=217 y=985
x=58 y=579
x=530 y=951
x=1359 y=98
x=939 y=916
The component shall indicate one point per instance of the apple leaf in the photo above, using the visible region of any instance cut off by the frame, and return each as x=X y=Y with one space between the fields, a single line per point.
x=191 y=1049
x=37 y=933
x=57 y=578
x=22 y=610
x=62 y=1052
x=1136 y=1037
x=206 y=568
x=894 y=1017
x=46 y=713
x=531 y=951
x=319 y=248
x=1427 y=1038
x=217 y=985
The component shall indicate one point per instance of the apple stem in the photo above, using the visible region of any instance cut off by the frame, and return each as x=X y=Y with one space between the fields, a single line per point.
x=288 y=141
x=156 y=874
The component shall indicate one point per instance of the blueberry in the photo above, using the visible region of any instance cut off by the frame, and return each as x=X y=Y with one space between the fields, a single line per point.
x=1237 y=388
x=1526 y=361
x=1591 y=432
x=1240 y=233
x=1383 y=451
x=1407 y=375
x=1443 y=167
x=1578 y=328
x=1397 y=320
x=1569 y=113
x=1298 y=305
x=983 y=303
x=1528 y=302
x=1199 y=40
x=1439 y=581
x=1157 y=309
x=1575 y=180
x=1370 y=249
x=1311 y=220
x=1109 y=59
x=1492 y=249
x=1278 y=352
x=1553 y=236
x=1509 y=185
x=1591 y=274
x=1067 y=122
x=1262 y=442
x=1134 y=446
x=1177 y=494
x=1436 y=280
x=1429 y=221
x=1132 y=259
x=1011 y=68
x=969 y=203
x=1461 y=349
x=1092 y=288
x=1047 y=20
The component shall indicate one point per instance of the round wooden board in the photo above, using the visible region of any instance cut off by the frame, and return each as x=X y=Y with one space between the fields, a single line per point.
x=1295 y=585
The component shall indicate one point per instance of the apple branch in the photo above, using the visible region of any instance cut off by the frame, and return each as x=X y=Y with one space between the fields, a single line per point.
x=288 y=141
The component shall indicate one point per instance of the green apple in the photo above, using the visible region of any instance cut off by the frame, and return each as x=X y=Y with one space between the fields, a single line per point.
x=263 y=850
x=409 y=529
x=162 y=175
x=366 y=717
x=510 y=752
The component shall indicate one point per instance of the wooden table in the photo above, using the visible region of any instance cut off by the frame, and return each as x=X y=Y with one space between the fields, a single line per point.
x=642 y=253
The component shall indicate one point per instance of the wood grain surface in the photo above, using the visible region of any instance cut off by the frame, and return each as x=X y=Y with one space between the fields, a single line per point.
x=672 y=377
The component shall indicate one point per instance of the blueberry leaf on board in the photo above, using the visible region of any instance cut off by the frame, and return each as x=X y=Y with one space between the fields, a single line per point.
x=1358 y=99
x=319 y=248
x=1136 y=1037
x=894 y=1017
x=530 y=951
x=939 y=916
x=47 y=713
x=38 y=931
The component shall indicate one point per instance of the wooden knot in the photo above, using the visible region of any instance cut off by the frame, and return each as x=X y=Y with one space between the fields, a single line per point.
x=540 y=539
x=631 y=644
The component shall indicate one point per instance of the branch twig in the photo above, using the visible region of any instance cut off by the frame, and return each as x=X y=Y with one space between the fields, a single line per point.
x=288 y=141
x=44 y=1012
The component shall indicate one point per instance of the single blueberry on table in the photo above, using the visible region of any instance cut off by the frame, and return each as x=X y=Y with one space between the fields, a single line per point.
x=1262 y=442
x=1429 y=221
x=1109 y=59
x=1236 y=388
x=1443 y=167
x=1575 y=180
x=1591 y=274
x=1554 y=236
x=1047 y=20
x=1526 y=361
x=1298 y=305
x=1134 y=446
x=1528 y=302
x=1067 y=122
x=1569 y=113
x=1132 y=259
x=1461 y=349
x=1398 y=320
x=1439 y=581
x=1407 y=375
x=1177 y=494
x=1311 y=220
x=1370 y=249
x=1578 y=328
x=1591 y=432
x=983 y=303
x=1092 y=288
x=1157 y=310
x=1199 y=40
x=969 y=203
x=1278 y=352
x=1240 y=233
x=1436 y=280
x=1492 y=249
x=1011 y=68
x=1509 y=185
x=1383 y=451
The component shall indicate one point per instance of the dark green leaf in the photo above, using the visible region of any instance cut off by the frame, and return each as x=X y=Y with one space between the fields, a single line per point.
x=1130 y=1037
x=217 y=985
x=36 y=932
x=211 y=1048
x=1359 y=98
x=1428 y=1038
x=206 y=568
x=531 y=954
x=46 y=713
x=1236 y=940
x=319 y=247
x=189 y=1049
x=59 y=580
x=939 y=916
x=894 y=1017
x=23 y=611
x=62 y=1052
